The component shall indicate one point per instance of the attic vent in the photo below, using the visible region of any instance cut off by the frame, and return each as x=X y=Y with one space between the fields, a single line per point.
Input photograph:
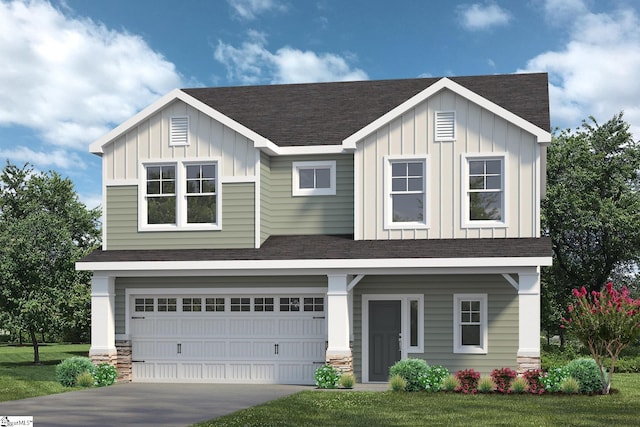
x=445 y=122
x=179 y=133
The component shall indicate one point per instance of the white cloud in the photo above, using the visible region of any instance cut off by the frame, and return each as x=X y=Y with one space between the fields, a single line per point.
x=250 y=9
x=478 y=16
x=253 y=63
x=71 y=79
x=58 y=158
x=595 y=73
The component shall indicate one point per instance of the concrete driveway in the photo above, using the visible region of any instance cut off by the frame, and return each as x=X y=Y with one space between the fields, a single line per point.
x=136 y=404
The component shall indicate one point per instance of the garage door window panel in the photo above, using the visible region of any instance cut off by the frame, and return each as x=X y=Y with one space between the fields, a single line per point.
x=167 y=304
x=290 y=304
x=240 y=304
x=214 y=304
x=191 y=304
x=144 y=305
x=263 y=304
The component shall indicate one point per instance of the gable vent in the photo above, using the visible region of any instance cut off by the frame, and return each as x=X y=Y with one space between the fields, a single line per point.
x=445 y=123
x=179 y=133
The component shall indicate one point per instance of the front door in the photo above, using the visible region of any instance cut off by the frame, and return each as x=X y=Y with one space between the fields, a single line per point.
x=384 y=337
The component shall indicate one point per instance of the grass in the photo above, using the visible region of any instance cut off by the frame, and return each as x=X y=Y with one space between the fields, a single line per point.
x=20 y=378
x=352 y=408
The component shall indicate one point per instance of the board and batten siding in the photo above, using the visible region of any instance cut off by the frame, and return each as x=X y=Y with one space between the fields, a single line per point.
x=238 y=222
x=438 y=291
x=213 y=283
x=289 y=215
x=208 y=139
x=478 y=131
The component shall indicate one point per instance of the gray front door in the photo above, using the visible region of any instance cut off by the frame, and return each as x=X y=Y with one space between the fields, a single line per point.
x=384 y=336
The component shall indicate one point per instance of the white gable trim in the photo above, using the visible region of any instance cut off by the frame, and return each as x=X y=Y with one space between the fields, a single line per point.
x=542 y=136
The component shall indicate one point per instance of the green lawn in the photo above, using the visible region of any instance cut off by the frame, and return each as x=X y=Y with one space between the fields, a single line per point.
x=20 y=378
x=352 y=408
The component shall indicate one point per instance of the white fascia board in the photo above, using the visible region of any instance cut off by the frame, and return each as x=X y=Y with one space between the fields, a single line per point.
x=317 y=264
x=543 y=137
x=177 y=94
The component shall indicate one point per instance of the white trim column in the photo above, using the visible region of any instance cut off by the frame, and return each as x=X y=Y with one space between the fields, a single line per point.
x=338 y=349
x=103 y=346
x=529 y=320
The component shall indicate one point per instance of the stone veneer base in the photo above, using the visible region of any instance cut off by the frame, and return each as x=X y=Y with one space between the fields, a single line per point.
x=528 y=363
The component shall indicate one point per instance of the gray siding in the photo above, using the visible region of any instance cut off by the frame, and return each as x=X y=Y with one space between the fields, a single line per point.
x=238 y=208
x=502 y=302
x=310 y=214
x=265 y=197
x=124 y=283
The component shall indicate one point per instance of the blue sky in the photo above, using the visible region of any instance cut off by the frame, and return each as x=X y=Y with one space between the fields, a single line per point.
x=71 y=70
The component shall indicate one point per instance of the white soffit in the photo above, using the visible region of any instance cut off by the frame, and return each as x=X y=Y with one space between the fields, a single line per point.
x=542 y=135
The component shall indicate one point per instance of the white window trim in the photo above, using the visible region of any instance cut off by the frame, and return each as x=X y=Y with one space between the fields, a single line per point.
x=405 y=316
x=172 y=143
x=435 y=126
x=295 y=178
x=466 y=222
x=181 y=197
x=389 y=224
x=484 y=327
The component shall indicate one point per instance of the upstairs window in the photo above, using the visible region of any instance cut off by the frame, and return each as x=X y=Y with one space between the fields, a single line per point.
x=161 y=194
x=485 y=191
x=314 y=178
x=406 y=198
x=201 y=194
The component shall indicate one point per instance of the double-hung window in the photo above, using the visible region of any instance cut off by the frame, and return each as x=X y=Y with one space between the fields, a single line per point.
x=314 y=178
x=470 y=323
x=485 y=193
x=182 y=195
x=406 y=193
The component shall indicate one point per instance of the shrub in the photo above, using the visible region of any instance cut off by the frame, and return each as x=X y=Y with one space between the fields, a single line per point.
x=570 y=386
x=68 y=370
x=397 y=383
x=534 y=381
x=486 y=385
x=502 y=378
x=468 y=381
x=554 y=379
x=519 y=385
x=85 y=379
x=326 y=377
x=628 y=364
x=435 y=377
x=414 y=371
x=105 y=374
x=450 y=383
x=347 y=380
x=587 y=373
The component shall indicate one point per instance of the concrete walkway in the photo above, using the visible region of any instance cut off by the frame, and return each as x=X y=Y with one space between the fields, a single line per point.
x=134 y=404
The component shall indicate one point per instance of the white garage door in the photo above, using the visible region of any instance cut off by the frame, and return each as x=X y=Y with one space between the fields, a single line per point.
x=228 y=338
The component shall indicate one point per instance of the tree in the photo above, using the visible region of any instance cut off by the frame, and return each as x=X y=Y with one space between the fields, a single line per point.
x=606 y=323
x=592 y=207
x=44 y=230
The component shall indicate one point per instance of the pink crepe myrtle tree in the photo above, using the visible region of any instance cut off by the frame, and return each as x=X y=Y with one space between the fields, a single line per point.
x=605 y=322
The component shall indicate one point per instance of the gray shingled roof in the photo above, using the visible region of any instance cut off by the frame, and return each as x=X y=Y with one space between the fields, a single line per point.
x=327 y=113
x=341 y=247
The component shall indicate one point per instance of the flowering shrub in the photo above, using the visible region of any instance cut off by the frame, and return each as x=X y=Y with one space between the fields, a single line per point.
x=105 y=374
x=414 y=371
x=534 y=380
x=502 y=379
x=605 y=322
x=434 y=378
x=554 y=379
x=326 y=377
x=468 y=381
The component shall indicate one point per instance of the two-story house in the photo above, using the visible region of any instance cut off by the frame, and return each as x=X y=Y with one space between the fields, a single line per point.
x=252 y=234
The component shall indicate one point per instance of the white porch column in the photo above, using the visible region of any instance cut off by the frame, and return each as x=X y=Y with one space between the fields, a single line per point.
x=338 y=349
x=103 y=346
x=529 y=323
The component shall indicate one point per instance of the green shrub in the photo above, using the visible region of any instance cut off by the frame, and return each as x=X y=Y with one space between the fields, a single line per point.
x=486 y=385
x=519 y=385
x=435 y=377
x=628 y=365
x=327 y=377
x=570 y=386
x=414 y=371
x=397 y=383
x=105 y=374
x=554 y=379
x=586 y=372
x=68 y=370
x=450 y=383
x=85 y=379
x=347 y=380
